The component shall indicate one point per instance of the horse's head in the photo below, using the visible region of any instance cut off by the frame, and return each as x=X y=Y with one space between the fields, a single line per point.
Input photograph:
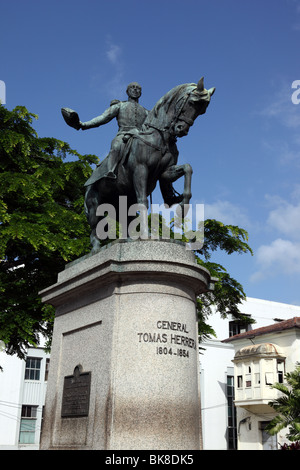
x=192 y=103
x=176 y=111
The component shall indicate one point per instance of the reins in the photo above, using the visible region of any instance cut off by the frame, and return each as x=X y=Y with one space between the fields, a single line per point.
x=167 y=129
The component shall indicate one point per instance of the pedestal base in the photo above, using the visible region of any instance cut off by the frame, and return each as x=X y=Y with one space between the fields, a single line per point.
x=124 y=361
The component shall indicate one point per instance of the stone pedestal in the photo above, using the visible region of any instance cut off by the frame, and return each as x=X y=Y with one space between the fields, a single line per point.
x=124 y=360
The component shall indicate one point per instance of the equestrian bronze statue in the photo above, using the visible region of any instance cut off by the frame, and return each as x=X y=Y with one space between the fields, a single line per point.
x=144 y=151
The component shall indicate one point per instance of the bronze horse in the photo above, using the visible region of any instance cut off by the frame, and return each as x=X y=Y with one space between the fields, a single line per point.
x=151 y=155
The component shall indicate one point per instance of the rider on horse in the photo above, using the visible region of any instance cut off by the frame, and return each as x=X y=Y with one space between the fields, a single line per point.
x=130 y=116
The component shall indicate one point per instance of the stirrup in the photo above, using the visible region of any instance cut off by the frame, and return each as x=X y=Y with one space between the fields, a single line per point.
x=110 y=174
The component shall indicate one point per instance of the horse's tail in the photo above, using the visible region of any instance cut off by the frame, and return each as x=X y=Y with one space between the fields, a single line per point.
x=91 y=202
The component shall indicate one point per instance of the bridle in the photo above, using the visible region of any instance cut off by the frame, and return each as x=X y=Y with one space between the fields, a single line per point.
x=165 y=130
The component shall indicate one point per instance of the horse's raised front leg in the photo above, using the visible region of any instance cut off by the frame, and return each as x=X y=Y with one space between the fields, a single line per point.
x=172 y=174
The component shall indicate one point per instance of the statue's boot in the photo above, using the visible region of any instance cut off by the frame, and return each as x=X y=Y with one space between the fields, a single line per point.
x=112 y=164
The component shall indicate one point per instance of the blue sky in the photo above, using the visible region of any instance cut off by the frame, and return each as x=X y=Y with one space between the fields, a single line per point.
x=245 y=151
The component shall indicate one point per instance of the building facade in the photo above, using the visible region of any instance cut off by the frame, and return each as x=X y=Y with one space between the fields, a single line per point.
x=220 y=424
x=262 y=357
x=22 y=397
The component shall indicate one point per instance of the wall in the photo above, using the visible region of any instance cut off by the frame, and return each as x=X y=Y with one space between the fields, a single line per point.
x=214 y=364
x=216 y=361
x=251 y=416
x=11 y=379
x=15 y=392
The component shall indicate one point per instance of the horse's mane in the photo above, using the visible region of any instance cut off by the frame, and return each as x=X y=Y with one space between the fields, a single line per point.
x=161 y=111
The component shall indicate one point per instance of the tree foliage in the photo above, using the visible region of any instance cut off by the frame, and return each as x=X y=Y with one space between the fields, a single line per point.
x=42 y=223
x=228 y=293
x=287 y=406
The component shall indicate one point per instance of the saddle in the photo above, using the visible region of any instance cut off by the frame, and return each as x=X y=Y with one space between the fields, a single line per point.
x=102 y=169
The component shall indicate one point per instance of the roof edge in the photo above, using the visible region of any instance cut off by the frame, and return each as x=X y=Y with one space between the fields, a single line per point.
x=274 y=328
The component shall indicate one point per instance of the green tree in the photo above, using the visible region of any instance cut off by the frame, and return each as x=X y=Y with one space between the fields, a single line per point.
x=42 y=224
x=287 y=406
x=228 y=293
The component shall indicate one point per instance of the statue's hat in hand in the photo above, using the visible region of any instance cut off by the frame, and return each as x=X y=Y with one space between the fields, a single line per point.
x=71 y=117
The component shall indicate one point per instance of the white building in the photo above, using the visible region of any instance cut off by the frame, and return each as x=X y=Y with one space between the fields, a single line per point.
x=22 y=397
x=219 y=419
x=262 y=357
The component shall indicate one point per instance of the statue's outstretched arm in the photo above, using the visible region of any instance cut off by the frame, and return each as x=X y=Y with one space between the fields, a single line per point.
x=104 y=118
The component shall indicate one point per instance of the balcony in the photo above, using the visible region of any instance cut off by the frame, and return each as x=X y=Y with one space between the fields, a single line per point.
x=257 y=367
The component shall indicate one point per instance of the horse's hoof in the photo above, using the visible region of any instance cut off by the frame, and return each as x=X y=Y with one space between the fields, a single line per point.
x=174 y=200
x=182 y=210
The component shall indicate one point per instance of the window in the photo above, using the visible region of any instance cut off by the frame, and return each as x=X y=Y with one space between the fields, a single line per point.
x=33 y=368
x=28 y=424
x=280 y=370
x=269 y=368
x=257 y=378
x=256 y=370
x=240 y=381
x=29 y=411
x=231 y=424
x=238 y=326
x=248 y=380
x=47 y=369
x=269 y=378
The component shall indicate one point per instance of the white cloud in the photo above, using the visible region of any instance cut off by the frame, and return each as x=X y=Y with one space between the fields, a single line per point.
x=282 y=108
x=113 y=53
x=116 y=86
x=296 y=25
x=286 y=219
x=226 y=212
x=286 y=154
x=109 y=79
x=280 y=257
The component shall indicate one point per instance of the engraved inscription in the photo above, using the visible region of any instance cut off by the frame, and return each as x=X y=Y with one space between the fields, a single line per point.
x=76 y=394
x=175 y=342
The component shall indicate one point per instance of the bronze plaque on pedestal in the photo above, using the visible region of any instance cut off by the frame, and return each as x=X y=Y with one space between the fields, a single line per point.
x=76 y=394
